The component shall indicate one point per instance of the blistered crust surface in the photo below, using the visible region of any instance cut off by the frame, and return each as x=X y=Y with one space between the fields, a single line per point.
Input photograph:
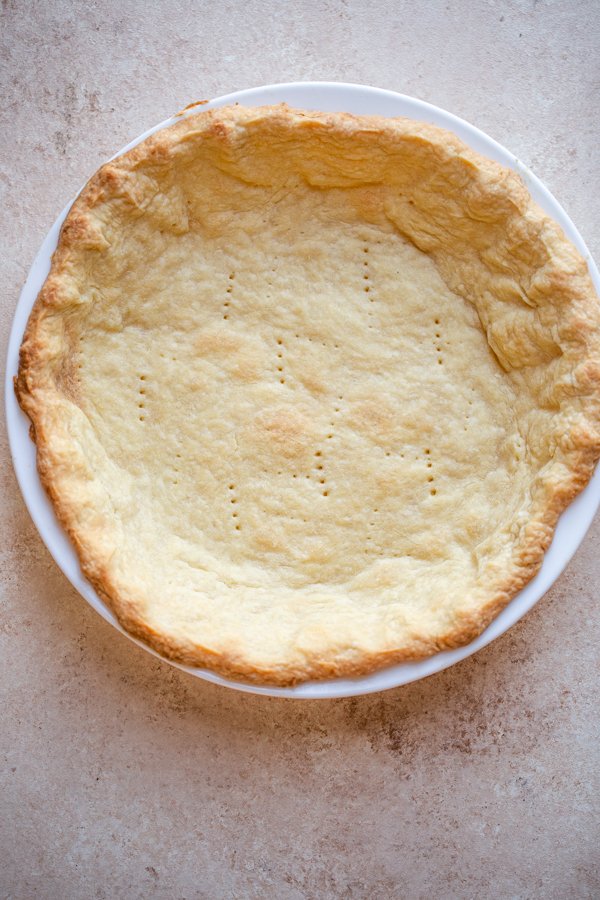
x=310 y=391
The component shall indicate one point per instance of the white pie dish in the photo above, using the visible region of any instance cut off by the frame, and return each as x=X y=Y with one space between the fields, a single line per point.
x=572 y=525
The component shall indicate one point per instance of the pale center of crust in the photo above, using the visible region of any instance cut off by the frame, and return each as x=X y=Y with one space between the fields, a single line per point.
x=296 y=392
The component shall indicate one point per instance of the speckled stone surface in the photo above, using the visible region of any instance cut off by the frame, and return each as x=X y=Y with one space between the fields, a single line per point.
x=122 y=777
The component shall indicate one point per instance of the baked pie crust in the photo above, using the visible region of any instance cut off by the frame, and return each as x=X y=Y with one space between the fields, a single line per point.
x=309 y=391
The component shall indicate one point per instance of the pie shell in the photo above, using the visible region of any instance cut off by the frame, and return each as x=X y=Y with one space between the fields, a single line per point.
x=492 y=246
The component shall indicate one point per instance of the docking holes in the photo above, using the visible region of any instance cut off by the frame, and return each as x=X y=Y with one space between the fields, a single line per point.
x=370 y=526
x=234 y=509
x=430 y=475
x=228 y=293
x=438 y=341
x=142 y=398
x=468 y=418
x=176 y=468
x=280 y=364
x=366 y=279
x=318 y=472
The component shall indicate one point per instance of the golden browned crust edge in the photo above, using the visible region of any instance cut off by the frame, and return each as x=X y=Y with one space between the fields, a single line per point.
x=581 y=447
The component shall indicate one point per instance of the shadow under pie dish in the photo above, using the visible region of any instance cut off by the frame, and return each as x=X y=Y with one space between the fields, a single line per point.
x=309 y=391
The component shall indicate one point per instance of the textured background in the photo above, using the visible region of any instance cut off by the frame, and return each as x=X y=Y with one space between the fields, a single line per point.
x=122 y=777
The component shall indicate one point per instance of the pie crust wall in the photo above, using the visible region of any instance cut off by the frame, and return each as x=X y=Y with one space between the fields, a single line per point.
x=309 y=391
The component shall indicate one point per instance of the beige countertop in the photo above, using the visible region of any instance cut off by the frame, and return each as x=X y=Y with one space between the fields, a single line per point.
x=122 y=777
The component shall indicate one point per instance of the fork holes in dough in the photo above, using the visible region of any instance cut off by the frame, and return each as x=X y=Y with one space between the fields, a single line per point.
x=280 y=361
x=233 y=500
x=366 y=277
x=228 y=293
x=141 y=392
